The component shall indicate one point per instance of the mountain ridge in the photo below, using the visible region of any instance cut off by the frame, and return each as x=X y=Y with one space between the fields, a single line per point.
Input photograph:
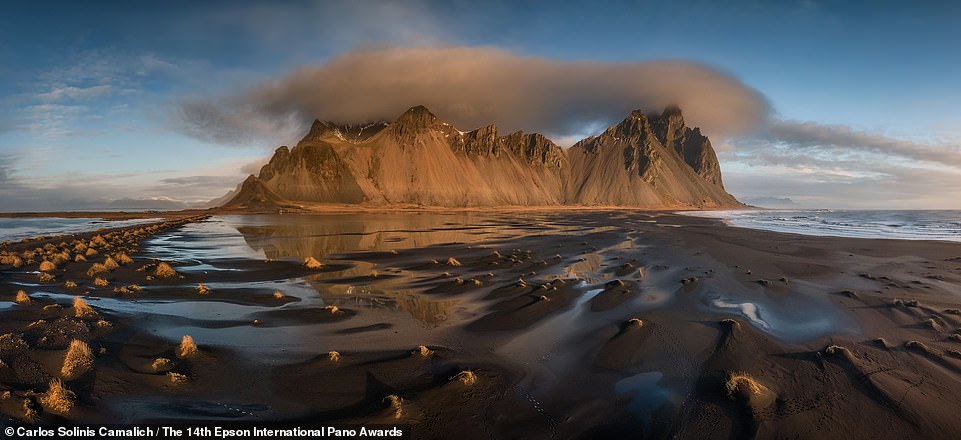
x=644 y=161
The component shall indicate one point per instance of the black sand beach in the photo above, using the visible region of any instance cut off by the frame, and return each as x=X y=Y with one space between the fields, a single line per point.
x=519 y=324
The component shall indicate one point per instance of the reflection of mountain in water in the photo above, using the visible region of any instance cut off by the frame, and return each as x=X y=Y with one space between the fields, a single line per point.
x=429 y=312
x=319 y=236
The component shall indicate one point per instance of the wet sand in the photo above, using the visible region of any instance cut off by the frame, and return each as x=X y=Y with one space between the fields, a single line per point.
x=574 y=324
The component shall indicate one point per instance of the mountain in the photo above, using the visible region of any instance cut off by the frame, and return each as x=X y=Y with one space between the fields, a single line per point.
x=649 y=161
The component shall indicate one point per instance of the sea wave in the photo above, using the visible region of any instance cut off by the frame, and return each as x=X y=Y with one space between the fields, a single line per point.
x=892 y=224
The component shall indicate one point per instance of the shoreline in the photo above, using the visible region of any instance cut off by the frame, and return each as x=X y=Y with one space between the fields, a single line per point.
x=711 y=299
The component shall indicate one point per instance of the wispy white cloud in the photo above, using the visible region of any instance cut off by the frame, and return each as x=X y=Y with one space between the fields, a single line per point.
x=75 y=93
x=836 y=166
x=826 y=139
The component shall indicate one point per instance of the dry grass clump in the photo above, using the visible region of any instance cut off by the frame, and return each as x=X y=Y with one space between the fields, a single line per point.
x=46 y=266
x=743 y=383
x=58 y=259
x=278 y=294
x=162 y=365
x=29 y=413
x=22 y=298
x=177 y=377
x=836 y=350
x=453 y=262
x=123 y=258
x=728 y=322
x=396 y=404
x=331 y=309
x=58 y=399
x=110 y=264
x=466 y=377
x=102 y=323
x=312 y=263
x=899 y=302
x=164 y=271
x=15 y=261
x=202 y=289
x=90 y=252
x=100 y=282
x=129 y=289
x=334 y=356
x=187 y=347
x=78 y=361
x=423 y=351
x=97 y=269
x=82 y=310
x=46 y=277
x=916 y=345
x=79 y=259
x=70 y=284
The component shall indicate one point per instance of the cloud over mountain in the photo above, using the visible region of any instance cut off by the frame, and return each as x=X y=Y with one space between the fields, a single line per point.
x=473 y=86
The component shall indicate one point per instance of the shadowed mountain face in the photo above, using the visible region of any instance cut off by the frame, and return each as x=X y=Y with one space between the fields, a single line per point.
x=649 y=161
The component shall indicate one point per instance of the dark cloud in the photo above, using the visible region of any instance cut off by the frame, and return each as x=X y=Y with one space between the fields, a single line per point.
x=472 y=87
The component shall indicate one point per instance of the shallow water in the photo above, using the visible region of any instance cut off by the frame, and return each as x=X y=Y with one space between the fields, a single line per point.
x=794 y=319
x=13 y=229
x=645 y=393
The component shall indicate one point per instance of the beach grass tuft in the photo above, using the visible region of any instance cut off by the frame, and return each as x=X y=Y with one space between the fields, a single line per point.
x=187 y=347
x=312 y=263
x=739 y=382
x=423 y=351
x=466 y=377
x=162 y=365
x=58 y=399
x=22 y=298
x=82 y=310
x=396 y=405
x=78 y=361
x=164 y=270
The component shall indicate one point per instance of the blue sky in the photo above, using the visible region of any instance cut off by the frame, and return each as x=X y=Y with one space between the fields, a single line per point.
x=863 y=95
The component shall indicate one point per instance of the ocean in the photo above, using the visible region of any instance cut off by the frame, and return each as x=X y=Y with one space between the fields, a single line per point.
x=13 y=229
x=895 y=224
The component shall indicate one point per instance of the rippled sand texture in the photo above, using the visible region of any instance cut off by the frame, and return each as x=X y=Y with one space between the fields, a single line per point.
x=505 y=325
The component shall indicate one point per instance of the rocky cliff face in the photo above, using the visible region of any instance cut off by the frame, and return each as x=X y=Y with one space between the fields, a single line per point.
x=652 y=161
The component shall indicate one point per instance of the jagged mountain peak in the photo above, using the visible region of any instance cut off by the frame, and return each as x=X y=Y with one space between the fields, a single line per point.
x=645 y=160
x=353 y=133
x=417 y=115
